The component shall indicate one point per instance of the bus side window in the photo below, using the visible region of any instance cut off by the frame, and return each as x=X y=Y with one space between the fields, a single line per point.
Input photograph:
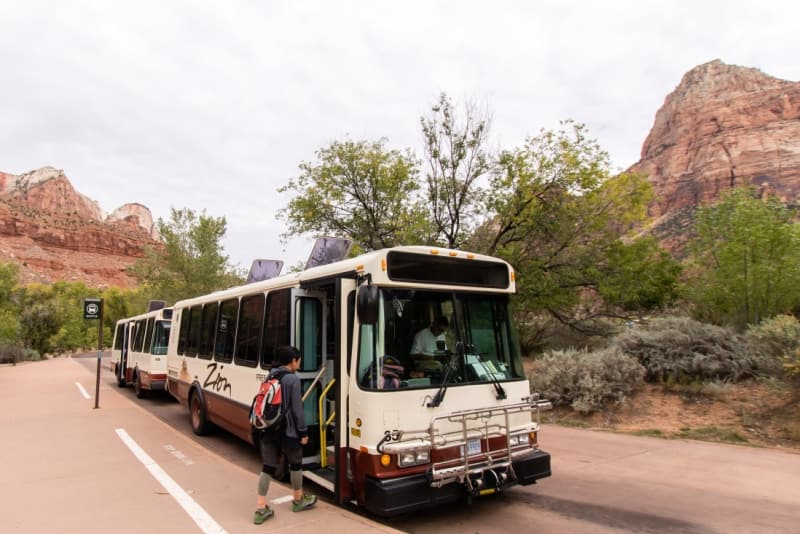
x=226 y=330
x=183 y=333
x=251 y=319
x=207 y=330
x=193 y=339
x=150 y=335
x=276 y=326
x=138 y=341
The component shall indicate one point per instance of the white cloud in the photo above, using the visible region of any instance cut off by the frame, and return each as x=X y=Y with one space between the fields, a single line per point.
x=213 y=105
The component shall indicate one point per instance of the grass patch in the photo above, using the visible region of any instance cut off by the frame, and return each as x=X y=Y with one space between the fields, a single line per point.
x=712 y=433
x=651 y=432
x=572 y=423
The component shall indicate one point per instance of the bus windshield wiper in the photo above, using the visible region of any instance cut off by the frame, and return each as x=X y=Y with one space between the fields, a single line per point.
x=439 y=397
x=500 y=393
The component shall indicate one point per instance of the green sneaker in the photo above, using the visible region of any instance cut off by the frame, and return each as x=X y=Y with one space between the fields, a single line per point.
x=306 y=502
x=262 y=514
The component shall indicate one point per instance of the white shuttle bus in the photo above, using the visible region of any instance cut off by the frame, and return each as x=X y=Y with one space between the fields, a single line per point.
x=390 y=430
x=139 y=352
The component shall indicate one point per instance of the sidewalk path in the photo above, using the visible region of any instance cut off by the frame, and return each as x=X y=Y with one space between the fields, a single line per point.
x=67 y=467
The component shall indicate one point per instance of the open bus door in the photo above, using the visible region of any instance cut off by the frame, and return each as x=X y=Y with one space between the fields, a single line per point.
x=313 y=338
x=123 y=355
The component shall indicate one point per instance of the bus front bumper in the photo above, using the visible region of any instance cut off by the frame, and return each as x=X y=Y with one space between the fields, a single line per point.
x=396 y=496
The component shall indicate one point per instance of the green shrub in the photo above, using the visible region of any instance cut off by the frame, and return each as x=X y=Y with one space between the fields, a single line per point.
x=777 y=337
x=586 y=380
x=14 y=352
x=679 y=349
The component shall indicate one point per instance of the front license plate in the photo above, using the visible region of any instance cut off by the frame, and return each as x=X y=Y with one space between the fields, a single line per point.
x=473 y=446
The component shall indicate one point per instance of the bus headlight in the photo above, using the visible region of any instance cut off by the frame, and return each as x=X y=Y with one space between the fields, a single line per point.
x=409 y=458
x=519 y=440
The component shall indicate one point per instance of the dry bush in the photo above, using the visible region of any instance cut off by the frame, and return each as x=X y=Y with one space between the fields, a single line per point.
x=679 y=349
x=778 y=339
x=14 y=352
x=586 y=380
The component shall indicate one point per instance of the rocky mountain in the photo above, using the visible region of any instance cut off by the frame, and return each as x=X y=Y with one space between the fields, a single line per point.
x=723 y=126
x=55 y=233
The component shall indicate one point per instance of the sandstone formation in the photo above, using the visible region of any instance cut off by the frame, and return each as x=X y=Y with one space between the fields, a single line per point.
x=135 y=215
x=55 y=233
x=723 y=126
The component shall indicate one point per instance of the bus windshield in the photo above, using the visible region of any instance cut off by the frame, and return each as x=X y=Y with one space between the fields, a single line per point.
x=161 y=338
x=423 y=338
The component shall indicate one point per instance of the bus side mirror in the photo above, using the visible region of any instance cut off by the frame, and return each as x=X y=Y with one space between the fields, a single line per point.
x=367 y=304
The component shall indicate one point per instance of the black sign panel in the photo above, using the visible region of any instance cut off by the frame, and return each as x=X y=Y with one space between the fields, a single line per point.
x=264 y=270
x=92 y=308
x=328 y=250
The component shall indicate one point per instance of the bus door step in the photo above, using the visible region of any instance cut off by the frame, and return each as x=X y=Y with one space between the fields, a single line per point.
x=323 y=477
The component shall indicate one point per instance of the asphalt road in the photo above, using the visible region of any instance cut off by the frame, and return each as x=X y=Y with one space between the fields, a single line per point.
x=602 y=482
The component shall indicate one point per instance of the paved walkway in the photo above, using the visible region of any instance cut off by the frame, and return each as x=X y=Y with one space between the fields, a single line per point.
x=67 y=467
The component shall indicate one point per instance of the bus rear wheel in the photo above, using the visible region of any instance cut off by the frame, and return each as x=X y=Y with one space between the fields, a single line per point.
x=197 y=411
x=137 y=387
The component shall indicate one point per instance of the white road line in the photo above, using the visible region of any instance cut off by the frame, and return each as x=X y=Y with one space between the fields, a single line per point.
x=83 y=391
x=195 y=511
x=281 y=500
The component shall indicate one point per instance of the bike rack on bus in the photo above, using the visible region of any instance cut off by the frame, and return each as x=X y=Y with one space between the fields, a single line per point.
x=465 y=464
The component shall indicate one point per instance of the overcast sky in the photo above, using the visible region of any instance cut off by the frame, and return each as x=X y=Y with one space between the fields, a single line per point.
x=212 y=105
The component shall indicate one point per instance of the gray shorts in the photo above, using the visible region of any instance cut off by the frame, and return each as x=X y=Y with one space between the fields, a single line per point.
x=275 y=446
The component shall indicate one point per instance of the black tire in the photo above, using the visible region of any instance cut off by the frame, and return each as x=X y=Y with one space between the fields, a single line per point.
x=197 y=414
x=137 y=387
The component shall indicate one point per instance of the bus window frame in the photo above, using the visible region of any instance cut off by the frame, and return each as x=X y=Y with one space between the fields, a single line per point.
x=222 y=356
x=258 y=321
x=279 y=300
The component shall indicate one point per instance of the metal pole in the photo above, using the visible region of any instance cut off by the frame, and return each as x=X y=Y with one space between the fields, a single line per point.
x=99 y=356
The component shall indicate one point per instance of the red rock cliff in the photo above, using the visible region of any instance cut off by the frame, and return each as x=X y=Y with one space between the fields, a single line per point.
x=722 y=127
x=55 y=233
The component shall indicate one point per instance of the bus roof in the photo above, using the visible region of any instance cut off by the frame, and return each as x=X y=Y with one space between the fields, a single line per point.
x=158 y=314
x=374 y=263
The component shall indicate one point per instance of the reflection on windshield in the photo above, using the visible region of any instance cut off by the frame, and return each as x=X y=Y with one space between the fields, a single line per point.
x=420 y=335
x=161 y=337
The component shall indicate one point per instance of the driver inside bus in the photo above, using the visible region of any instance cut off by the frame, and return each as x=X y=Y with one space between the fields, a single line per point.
x=428 y=343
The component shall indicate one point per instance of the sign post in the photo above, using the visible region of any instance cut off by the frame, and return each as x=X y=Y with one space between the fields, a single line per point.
x=93 y=309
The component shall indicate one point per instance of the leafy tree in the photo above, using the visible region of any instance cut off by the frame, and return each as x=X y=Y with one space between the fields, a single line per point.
x=559 y=216
x=66 y=299
x=457 y=156
x=745 y=260
x=360 y=190
x=37 y=325
x=639 y=276
x=9 y=322
x=192 y=261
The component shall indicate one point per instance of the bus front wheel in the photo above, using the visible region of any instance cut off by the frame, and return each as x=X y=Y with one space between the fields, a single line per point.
x=120 y=378
x=198 y=414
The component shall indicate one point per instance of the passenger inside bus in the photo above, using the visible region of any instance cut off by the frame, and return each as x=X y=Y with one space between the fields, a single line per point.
x=429 y=343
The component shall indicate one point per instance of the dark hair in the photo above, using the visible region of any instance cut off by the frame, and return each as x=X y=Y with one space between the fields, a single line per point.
x=442 y=321
x=286 y=354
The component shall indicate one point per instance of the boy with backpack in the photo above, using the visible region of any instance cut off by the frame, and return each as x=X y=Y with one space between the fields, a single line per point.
x=285 y=435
